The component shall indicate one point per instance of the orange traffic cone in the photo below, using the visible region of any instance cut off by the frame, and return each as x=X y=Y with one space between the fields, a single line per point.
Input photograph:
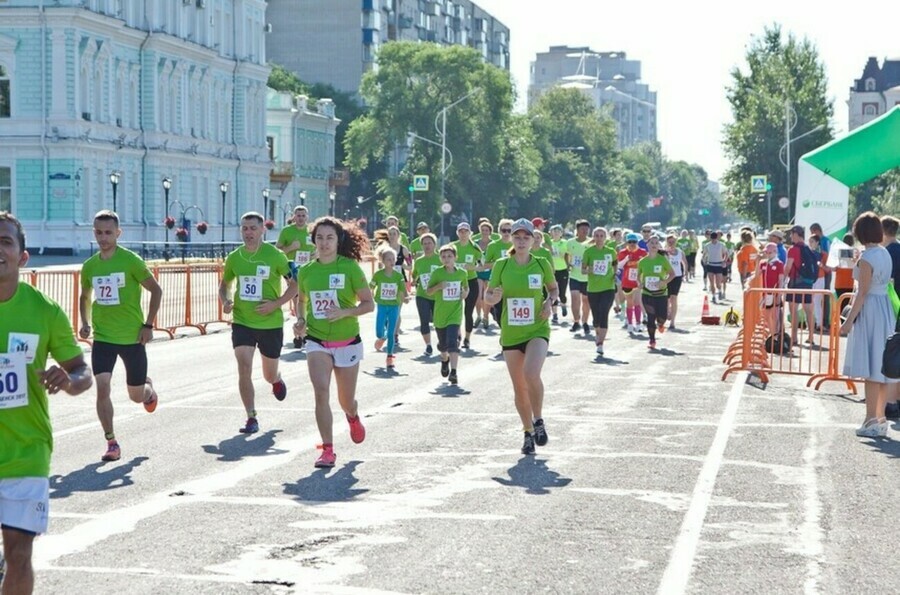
x=705 y=316
x=705 y=311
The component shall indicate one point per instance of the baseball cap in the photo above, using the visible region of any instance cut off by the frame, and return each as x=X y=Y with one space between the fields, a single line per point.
x=537 y=221
x=556 y=226
x=777 y=233
x=421 y=224
x=632 y=237
x=523 y=225
x=463 y=225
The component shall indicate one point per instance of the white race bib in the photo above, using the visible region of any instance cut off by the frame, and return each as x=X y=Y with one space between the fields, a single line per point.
x=301 y=257
x=388 y=291
x=601 y=267
x=632 y=274
x=651 y=283
x=250 y=288
x=519 y=311
x=13 y=381
x=322 y=301
x=106 y=290
x=451 y=291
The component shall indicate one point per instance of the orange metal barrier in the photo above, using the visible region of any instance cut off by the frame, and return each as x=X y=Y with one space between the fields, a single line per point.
x=818 y=354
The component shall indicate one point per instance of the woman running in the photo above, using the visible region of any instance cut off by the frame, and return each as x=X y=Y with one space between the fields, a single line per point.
x=599 y=264
x=628 y=261
x=482 y=239
x=654 y=273
x=422 y=269
x=334 y=294
x=404 y=263
x=679 y=264
x=559 y=248
x=520 y=280
x=469 y=256
x=495 y=251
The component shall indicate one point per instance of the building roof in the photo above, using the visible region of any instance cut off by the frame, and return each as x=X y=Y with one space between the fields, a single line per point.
x=886 y=76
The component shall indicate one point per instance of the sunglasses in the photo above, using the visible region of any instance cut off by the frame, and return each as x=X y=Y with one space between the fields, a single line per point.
x=506 y=230
x=645 y=231
x=632 y=242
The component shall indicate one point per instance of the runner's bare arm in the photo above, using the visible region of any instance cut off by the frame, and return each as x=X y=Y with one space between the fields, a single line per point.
x=151 y=285
x=84 y=309
x=72 y=376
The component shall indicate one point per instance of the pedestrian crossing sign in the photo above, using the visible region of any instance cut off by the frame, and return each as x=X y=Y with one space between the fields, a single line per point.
x=758 y=184
x=420 y=183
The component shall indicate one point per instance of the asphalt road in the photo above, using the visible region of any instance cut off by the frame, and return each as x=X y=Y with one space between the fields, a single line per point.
x=658 y=477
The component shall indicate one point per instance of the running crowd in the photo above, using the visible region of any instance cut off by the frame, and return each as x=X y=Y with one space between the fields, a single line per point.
x=523 y=277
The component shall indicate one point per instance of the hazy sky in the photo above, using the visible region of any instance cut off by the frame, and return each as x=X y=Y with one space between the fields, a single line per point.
x=688 y=48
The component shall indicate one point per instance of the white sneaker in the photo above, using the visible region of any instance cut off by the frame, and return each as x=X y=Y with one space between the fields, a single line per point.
x=873 y=428
x=600 y=350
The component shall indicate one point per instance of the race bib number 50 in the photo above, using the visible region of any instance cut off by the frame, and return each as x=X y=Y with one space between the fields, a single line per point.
x=250 y=288
x=13 y=382
x=322 y=301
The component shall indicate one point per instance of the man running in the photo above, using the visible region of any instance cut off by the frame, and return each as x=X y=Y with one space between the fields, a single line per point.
x=32 y=326
x=297 y=244
x=715 y=255
x=578 y=279
x=258 y=318
x=559 y=248
x=415 y=247
x=113 y=277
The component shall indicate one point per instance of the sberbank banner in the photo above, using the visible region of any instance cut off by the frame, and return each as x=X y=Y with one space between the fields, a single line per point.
x=826 y=174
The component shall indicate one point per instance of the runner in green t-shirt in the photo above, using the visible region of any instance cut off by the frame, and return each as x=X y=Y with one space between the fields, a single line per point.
x=521 y=282
x=421 y=275
x=334 y=294
x=469 y=257
x=258 y=269
x=415 y=246
x=654 y=273
x=539 y=249
x=32 y=326
x=495 y=251
x=599 y=264
x=449 y=285
x=389 y=292
x=392 y=221
x=114 y=277
x=577 y=279
x=559 y=249
x=691 y=253
x=297 y=244
x=482 y=240
x=486 y=233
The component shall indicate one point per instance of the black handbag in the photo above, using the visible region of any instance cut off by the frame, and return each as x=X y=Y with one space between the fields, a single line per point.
x=890 y=361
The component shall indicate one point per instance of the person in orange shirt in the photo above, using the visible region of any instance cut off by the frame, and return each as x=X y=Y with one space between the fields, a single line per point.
x=747 y=256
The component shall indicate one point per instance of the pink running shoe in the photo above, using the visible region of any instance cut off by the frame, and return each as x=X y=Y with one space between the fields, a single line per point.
x=357 y=431
x=327 y=458
x=113 y=452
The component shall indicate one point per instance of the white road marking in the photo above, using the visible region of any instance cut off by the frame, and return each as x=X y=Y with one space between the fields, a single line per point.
x=811 y=535
x=678 y=571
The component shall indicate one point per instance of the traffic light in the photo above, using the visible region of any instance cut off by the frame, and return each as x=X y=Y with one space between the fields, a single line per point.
x=768 y=187
x=411 y=188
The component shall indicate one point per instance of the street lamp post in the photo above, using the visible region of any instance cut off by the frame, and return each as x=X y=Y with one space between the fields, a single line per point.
x=302 y=196
x=784 y=153
x=442 y=132
x=331 y=197
x=265 y=212
x=167 y=185
x=114 y=180
x=223 y=188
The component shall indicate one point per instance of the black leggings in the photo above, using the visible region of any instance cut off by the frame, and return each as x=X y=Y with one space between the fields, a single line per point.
x=471 y=300
x=601 y=302
x=426 y=314
x=562 y=280
x=657 y=309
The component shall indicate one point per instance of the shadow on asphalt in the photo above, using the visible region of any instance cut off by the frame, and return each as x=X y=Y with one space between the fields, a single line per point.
x=327 y=485
x=886 y=446
x=384 y=373
x=608 y=361
x=92 y=479
x=666 y=352
x=245 y=445
x=533 y=474
x=450 y=390
x=296 y=355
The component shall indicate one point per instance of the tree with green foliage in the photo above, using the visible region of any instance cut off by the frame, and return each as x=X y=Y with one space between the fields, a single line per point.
x=785 y=76
x=492 y=152
x=582 y=174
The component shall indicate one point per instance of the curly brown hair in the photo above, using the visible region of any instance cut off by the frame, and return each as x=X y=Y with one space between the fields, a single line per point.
x=352 y=241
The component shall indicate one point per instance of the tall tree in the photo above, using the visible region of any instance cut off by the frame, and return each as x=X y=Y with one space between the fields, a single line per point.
x=414 y=83
x=785 y=81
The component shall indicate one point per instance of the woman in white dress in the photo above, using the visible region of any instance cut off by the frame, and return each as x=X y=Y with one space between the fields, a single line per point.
x=870 y=321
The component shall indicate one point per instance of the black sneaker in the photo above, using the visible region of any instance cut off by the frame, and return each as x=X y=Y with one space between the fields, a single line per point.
x=299 y=342
x=428 y=350
x=587 y=331
x=555 y=319
x=892 y=410
x=565 y=311
x=453 y=379
x=575 y=327
x=466 y=344
x=445 y=368
x=540 y=433
x=528 y=444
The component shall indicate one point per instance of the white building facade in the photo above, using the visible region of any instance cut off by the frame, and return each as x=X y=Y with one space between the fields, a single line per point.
x=146 y=89
x=875 y=92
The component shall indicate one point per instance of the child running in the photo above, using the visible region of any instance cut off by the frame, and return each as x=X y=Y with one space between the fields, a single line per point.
x=450 y=286
x=390 y=290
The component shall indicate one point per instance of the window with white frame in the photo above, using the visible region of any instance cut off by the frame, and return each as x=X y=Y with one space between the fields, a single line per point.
x=870 y=84
x=5 y=189
x=870 y=109
x=5 y=93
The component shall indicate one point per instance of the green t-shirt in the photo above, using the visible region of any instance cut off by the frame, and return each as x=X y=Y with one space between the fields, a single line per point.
x=448 y=302
x=116 y=313
x=416 y=248
x=601 y=264
x=258 y=277
x=422 y=269
x=576 y=249
x=523 y=295
x=31 y=326
x=684 y=244
x=291 y=234
x=694 y=246
x=467 y=256
x=388 y=290
x=326 y=286
x=559 y=248
x=542 y=252
x=652 y=271
x=496 y=250
x=477 y=237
